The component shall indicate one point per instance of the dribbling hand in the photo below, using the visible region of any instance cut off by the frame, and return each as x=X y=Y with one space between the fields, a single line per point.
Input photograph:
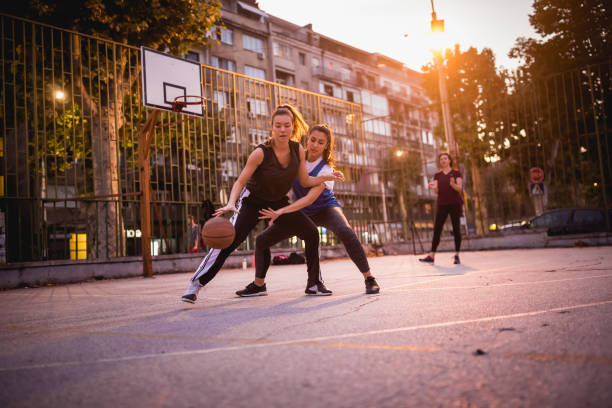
x=223 y=210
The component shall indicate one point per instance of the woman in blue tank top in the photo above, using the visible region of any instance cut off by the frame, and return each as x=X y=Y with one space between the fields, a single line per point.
x=320 y=204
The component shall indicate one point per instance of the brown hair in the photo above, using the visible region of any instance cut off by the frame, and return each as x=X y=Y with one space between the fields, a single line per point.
x=452 y=162
x=328 y=153
x=299 y=124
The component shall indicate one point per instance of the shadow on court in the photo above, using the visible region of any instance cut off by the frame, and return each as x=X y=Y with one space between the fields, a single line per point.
x=449 y=270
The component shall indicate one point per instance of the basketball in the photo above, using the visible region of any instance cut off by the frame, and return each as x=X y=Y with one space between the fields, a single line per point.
x=218 y=233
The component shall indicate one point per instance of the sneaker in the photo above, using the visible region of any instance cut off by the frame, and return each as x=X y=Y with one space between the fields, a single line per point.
x=371 y=285
x=456 y=260
x=427 y=259
x=191 y=294
x=318 y=289
x=253 y=290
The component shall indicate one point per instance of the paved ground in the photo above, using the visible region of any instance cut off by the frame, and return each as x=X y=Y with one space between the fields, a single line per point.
x=542 y=320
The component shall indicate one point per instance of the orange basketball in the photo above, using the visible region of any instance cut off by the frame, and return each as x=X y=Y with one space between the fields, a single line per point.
x=218 y=233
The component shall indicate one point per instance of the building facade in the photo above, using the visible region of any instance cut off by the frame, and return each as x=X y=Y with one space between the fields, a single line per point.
x=396 y=119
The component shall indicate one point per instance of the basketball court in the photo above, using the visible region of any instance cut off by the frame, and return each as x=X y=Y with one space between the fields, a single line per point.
x=505 y=328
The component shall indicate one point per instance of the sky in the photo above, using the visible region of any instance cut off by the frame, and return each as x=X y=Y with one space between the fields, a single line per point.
x=400 y=29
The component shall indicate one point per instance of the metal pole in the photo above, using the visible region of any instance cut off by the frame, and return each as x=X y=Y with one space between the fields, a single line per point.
x=446 y=115
x=144 y=144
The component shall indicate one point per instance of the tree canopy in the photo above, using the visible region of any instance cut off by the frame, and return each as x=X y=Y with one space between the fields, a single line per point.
x=174 y=24
x=574 y=33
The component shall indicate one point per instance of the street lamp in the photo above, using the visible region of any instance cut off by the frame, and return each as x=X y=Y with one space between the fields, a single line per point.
x=437 y=26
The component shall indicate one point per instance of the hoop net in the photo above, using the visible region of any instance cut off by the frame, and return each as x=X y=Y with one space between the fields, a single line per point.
x=180 y=102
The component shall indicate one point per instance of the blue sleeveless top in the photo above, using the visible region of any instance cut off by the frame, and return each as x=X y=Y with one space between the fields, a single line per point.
x=326 y=199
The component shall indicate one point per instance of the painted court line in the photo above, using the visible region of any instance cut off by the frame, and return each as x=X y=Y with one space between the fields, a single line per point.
x=306 y=342
x=512 y=284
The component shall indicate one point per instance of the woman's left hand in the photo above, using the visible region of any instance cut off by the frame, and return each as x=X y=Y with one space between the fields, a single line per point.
x=268 y=213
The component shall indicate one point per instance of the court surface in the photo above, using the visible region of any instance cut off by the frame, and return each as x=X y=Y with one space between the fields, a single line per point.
x=506 y=328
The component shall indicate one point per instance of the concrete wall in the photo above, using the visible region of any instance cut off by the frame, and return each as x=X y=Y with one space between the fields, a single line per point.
x=58 y=272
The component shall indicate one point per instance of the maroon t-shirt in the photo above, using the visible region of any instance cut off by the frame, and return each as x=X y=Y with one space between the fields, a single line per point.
x=446 y=194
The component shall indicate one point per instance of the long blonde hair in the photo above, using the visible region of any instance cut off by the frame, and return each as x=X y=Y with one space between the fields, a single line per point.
x=300 y=127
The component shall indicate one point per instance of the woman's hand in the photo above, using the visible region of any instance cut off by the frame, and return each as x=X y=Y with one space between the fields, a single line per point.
x=268 y=213
x=433 y=184
x=335 y=175
x=228 y=207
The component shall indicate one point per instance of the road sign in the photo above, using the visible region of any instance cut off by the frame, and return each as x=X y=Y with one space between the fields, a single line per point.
x=536 y=189
x=536 y=174
x=164 y=77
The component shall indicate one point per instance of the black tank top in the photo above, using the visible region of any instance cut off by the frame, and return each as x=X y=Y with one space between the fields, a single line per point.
x=271 y=181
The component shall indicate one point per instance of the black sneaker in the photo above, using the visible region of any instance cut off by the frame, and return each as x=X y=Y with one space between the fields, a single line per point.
x=427 y=259
x=253 y=290
x=371 y=285
x=318 y=289
x=456 y=261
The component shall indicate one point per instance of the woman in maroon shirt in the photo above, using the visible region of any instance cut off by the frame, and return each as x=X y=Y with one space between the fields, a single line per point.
x=448 y=185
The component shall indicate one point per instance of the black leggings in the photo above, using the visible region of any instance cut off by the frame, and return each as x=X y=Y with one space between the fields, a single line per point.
x=334 y=220
x=285 y=227
x=245 y=221
x=441 y=213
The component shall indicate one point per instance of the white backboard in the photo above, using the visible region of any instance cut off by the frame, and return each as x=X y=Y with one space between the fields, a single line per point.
x=164 y=77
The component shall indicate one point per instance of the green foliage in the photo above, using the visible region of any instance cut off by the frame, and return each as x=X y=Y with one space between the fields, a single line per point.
x=474 y=86
x=573 y=34
x=160 y=24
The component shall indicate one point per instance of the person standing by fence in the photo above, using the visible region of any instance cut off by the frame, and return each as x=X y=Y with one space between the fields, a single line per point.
x=448 y=185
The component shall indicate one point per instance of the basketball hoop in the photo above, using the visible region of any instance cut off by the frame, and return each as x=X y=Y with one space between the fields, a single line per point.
x=180 y=102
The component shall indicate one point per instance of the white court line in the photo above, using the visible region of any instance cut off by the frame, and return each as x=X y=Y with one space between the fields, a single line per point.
x=307 y=340
x=511 y=284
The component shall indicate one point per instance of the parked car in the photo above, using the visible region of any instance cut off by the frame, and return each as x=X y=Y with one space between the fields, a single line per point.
x=570 y=221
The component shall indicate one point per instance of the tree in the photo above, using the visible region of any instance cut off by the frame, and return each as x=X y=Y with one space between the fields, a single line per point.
x=106 y=73
x=574 y=34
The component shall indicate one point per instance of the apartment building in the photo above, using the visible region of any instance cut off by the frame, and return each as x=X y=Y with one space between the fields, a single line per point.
x=396 y=114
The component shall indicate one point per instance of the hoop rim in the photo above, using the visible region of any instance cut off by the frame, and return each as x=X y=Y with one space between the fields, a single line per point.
x=183 y=99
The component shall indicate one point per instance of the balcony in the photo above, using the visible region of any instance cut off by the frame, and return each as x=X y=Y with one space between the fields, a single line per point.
x=333 y=75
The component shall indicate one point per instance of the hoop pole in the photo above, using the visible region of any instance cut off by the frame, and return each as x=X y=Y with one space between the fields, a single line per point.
x=144 y=143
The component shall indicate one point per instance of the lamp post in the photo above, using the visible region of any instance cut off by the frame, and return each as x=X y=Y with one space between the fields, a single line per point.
x=437 y=26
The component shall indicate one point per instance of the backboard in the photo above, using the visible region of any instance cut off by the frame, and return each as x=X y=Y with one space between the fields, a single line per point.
x=164 y=77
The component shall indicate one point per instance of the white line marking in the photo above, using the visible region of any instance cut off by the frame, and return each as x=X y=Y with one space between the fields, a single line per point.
x=510 y=284
x=308 y=340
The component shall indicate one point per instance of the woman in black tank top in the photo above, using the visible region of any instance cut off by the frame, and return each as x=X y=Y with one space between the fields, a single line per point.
x=264 y=182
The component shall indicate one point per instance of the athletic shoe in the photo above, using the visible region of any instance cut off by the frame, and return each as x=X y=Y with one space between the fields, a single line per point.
x=318 y=290
x=191 y=294
x=253 y=290
x=456 y=261
x=427 y=259
x=371 y=285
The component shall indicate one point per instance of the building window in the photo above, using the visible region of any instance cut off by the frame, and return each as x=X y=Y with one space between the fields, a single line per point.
x=225 y=36
x=350 y=96
x=252 y=43
x=223 y=63
x=192 y=56
x=315 y=62
x=282 y=50
x=254 y=72
x=257 y=106
x=328 y=89
x=285 y=78
x=302 y=58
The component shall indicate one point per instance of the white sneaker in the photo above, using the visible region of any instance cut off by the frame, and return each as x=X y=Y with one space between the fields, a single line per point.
x=191 y=294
